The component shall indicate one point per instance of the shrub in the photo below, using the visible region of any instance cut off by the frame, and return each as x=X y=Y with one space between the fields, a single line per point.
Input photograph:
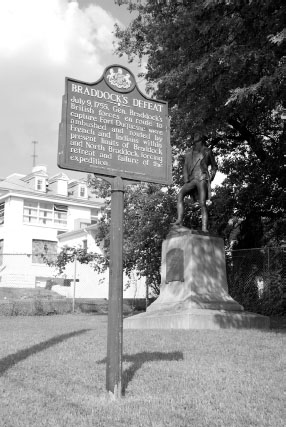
x=34 y=307
x=273 y=301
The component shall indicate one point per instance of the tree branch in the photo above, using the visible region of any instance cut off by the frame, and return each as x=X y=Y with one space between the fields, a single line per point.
x=250 y=138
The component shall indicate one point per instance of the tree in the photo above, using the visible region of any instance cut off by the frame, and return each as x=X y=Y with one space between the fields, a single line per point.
x=221 y=66
x=216 y=62
x=148 y=209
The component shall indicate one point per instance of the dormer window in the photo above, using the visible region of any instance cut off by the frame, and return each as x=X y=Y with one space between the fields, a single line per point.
x=37 y=179
x=82 y=191
x=40 y=184
x=78 y=189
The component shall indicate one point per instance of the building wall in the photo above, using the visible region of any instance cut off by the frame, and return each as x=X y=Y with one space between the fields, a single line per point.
x=77 y=239
x=92 y=284
x=18 y=269
x=76 y=212
x=16 y=234
x=11 y=230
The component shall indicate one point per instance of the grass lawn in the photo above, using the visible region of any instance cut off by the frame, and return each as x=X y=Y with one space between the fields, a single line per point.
x=52 y=373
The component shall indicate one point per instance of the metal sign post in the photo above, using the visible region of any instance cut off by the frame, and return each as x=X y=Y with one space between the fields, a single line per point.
x=115 y=299
x=110 y=128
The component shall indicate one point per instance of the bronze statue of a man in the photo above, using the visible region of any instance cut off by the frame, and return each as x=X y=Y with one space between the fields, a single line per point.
x=197 y=178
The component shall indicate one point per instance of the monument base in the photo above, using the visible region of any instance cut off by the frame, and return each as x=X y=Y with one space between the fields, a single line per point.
x=194 y=290
x=197 y=319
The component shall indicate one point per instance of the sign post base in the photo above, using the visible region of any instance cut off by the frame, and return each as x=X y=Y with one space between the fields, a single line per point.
x=115 y=299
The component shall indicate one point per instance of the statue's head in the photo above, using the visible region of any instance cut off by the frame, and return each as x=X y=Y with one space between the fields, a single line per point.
x=199 y=136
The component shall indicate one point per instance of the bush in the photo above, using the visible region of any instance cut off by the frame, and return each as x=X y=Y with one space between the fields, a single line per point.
x=34 y=307
x=39 y=306
x=273 y=301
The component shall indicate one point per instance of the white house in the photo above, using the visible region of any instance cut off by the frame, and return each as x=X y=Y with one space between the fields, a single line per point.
x=92 y=284
x=40 y=214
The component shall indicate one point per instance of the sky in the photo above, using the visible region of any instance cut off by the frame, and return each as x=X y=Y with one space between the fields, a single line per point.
x=41 y=43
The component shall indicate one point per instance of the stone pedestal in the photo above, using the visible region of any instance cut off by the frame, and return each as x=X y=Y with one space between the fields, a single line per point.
x=194 y=290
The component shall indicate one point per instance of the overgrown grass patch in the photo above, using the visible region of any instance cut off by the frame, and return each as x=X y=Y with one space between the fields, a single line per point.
x=35 y=307
x=52 y=373
x=42 y=302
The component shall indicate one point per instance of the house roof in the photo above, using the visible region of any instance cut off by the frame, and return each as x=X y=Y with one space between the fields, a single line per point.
x=59 y=176
x=14 y=182
x=77 y=233
x=18 y=185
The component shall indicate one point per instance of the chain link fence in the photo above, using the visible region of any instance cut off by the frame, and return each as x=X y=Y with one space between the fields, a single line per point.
x=257 y=279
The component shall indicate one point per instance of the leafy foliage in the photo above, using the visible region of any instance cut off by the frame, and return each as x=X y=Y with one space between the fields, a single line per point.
x=256 y=279
x=274 y=298
x=148 y=209
x=69 y=254
x=221 y=65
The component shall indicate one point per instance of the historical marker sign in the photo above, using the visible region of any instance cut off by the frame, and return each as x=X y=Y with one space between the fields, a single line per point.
x=110 y=128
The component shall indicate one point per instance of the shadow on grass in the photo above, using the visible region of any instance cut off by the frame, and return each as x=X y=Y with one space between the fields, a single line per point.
x=138 y=360
x=14 y=358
